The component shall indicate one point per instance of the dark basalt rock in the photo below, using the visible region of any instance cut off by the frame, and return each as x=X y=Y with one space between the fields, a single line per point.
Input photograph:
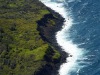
x=48 y=33
x=46 y=70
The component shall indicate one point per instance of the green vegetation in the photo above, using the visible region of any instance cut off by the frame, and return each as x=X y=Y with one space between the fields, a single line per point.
x=56 y=55
x=22 y=49
x=51 y=22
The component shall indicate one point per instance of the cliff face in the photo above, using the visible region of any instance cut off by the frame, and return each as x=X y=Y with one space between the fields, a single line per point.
x=27 y=43
x=48 y=26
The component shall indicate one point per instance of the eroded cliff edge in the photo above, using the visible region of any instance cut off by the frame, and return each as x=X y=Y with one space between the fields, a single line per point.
x=48 y=27
x=27 y=38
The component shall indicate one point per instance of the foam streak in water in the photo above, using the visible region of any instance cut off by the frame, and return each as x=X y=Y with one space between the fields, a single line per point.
x=63 y=40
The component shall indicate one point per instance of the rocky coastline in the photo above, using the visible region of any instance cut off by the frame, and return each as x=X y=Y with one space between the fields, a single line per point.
x=48 y=33
x=28 y=44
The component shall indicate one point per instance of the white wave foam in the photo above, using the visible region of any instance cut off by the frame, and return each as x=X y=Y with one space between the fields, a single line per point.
x=65 y=42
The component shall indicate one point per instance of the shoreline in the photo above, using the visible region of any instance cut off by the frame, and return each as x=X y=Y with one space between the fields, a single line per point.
x=57 y=28
x=52 y=31
x=74 y=53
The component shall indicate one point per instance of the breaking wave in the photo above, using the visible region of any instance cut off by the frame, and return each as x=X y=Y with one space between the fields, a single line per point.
x=63 y=39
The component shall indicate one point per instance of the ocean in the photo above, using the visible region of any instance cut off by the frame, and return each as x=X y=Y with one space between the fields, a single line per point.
x=79 y=36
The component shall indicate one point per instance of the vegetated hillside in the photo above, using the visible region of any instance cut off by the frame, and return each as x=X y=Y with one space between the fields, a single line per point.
x=22 y=49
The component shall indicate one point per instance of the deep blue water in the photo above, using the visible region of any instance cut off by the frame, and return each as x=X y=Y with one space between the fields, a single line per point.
x=85 y=32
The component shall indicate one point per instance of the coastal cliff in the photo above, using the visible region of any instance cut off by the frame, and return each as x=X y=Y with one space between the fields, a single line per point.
x=27 y=38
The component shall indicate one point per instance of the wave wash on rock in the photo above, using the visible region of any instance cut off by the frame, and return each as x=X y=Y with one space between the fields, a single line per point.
x=62 y=37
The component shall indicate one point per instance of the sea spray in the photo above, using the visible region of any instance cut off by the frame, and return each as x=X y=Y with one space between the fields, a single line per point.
x=64 y=41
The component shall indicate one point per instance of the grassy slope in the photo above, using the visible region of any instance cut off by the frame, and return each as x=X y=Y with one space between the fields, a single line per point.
x=22 y=49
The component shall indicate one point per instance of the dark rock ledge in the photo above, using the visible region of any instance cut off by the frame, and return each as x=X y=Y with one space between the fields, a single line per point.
x=48 y=32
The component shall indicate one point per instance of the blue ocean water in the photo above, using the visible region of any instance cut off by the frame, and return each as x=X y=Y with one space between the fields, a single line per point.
x=85 y=32
x=79 y=36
